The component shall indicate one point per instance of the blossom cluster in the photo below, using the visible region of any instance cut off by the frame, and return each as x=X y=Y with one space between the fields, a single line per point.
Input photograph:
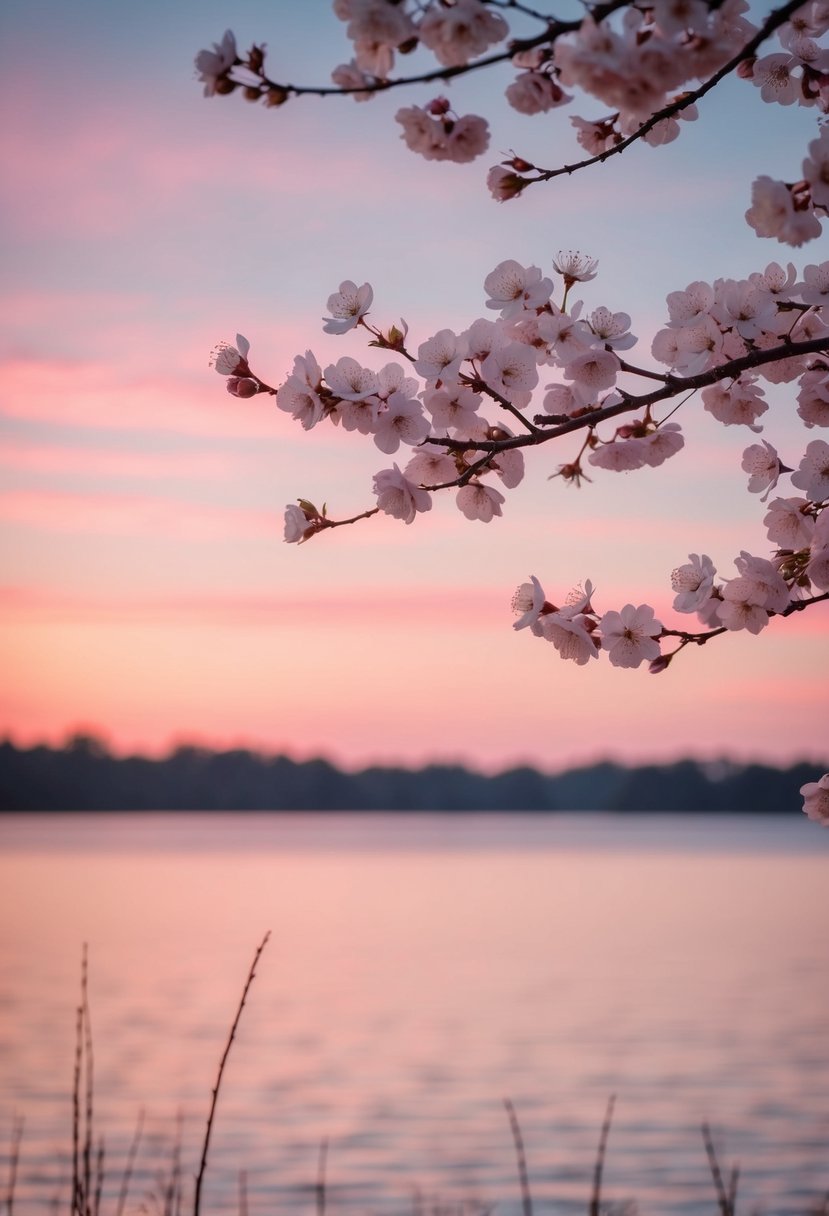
x=648 y=63
x=460 y=405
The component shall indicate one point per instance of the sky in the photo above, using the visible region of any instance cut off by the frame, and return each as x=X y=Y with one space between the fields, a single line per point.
x=146 y=593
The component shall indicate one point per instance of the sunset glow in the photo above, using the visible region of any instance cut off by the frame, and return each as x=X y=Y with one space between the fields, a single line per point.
x=146 y=593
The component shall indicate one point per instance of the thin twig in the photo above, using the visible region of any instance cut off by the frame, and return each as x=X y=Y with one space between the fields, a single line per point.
x=14 y=1157
x=320 y=1188
x=526 y=1198
x=722 y=1195
x=222 y=1062
x=76 y=1114
x=130 y=1163
x=172 y=1194
x=88 y=1070
x=597 y=1172
x=99 y=1178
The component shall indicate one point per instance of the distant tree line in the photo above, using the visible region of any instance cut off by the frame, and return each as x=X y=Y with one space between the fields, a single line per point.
x=85 y=776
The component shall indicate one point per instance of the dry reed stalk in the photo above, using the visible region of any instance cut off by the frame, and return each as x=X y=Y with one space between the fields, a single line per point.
x=320 y=1187
x=14 y=1158
x=126 y=1177
x=222 y=1062
x=526 y=1198
x=727 y=1199
x=600 y=1155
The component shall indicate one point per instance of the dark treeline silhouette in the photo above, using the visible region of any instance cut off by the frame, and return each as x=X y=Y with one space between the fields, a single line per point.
x=84 y=776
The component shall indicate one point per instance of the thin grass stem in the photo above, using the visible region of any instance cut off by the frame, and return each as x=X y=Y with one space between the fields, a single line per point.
x=222 y=1062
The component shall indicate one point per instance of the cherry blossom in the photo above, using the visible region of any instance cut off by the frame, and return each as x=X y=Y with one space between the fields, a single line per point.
x=398 y=496
x=214 y=65
x=629 y=636
x=459 y=33
x=347 y=306
x=571 y=636
x=528 y=601
x=693 y=583
x=813 y=471
x=512 y=288
x=761 y=461
x=466 y=403
x=816 y=800
x=478 y=501
x=231 y=360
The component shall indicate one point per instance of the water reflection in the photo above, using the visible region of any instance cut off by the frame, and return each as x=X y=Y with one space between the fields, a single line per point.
x=420 y=970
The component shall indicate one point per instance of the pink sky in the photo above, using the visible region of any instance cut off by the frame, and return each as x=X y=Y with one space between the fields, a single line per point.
x=146 y=591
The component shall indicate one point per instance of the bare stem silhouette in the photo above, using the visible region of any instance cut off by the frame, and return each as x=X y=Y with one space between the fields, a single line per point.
x=222 y=1062
x=597 y=1172
x=526 y=1198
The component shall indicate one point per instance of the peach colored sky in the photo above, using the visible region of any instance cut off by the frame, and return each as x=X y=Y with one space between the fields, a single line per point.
x=145 y=589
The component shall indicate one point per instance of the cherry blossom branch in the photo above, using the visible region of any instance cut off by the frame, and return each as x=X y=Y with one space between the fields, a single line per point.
x=775 y=19
x=276 y=93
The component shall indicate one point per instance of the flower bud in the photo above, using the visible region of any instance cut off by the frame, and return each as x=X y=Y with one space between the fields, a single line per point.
x=439 y=106
x=660 y=664
x=251 y=92
x=224 y=85
x=276 y=96
x=242 y=386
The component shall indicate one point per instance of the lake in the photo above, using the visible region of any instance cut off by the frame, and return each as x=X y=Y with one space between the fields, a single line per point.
x=420 y=970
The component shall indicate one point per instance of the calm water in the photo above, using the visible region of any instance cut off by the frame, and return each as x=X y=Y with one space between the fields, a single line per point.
x=420 y=970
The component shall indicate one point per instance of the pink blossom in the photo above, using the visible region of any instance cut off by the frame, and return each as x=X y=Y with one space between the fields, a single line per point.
x=763 y=464
x=575 y=267
x=693 y=583
x=527 y=603
x=350 y=76
x=762 y=583
x=231 y=360
x=663 y=442
x=816 y=800
x=478 y=501
x=401 y=421
x=815 y=286
x=511 y=370
x=772 y=214
x=461 y=32
x=691 y=305
x=430 y=466
x=504 y=183
x=630 y=636
x=817 y=568
x=535 y=93
x=773 y=76
x=620 y=455
x=509 y=466
x=786 y=524
x=737 y=610
x=591 y=372
x=347 y=306
x=612 y=328
x=349 y=381
x=812 y=474
x=439 y=358
x=376 y=21
x=570 y=636
x=451 y=406
x=513 y=288
x=213 y=65
x=398 y=496
x=467 y=139
x=739 y=404
x=298 y=526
